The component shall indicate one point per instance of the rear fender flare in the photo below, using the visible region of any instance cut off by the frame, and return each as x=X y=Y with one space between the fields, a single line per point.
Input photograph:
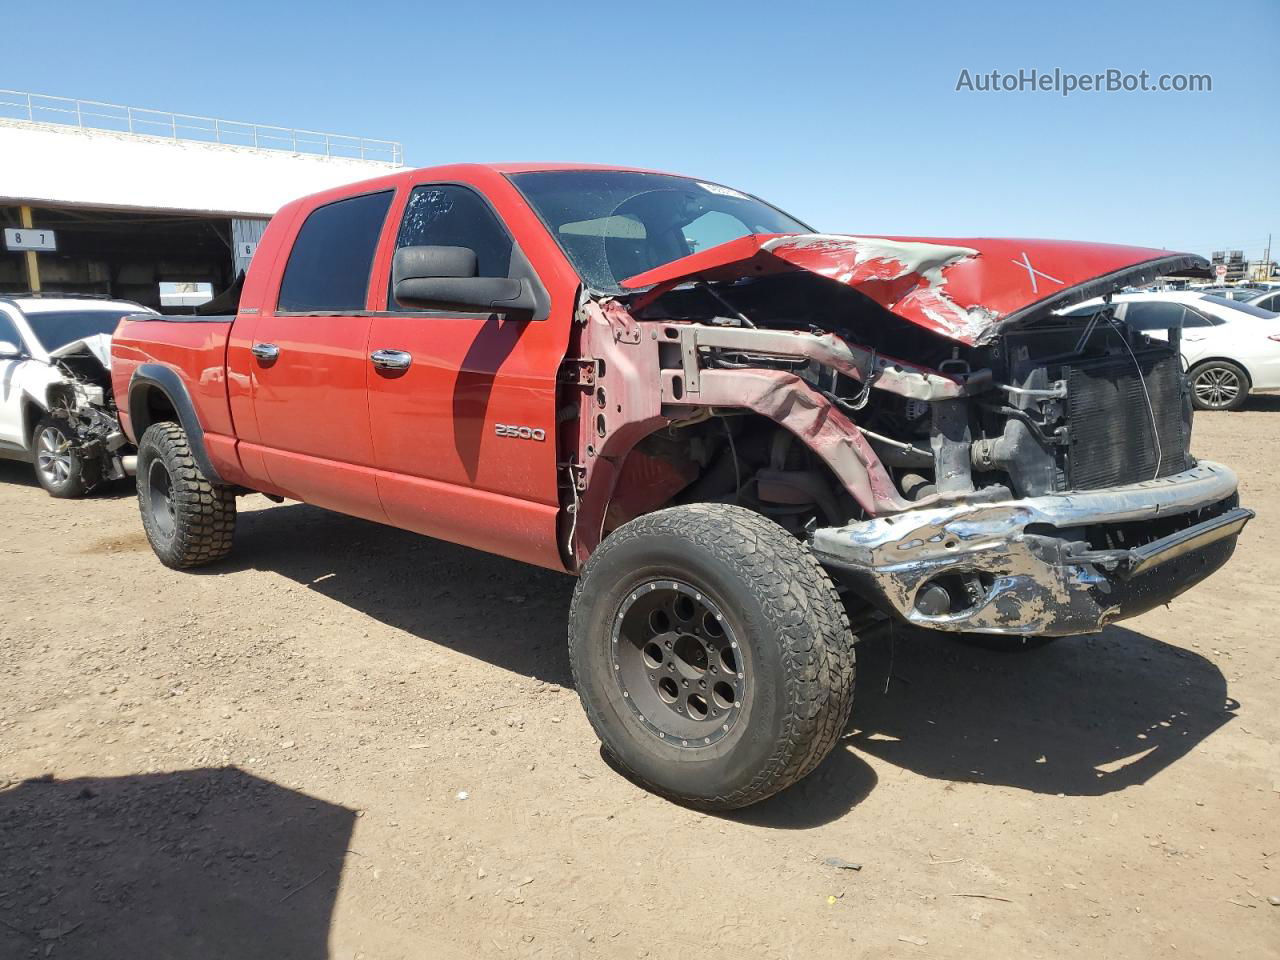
x=154 y=376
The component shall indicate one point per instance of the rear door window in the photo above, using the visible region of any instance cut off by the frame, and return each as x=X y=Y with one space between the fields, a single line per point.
x=328 y=268
x=1161 y=315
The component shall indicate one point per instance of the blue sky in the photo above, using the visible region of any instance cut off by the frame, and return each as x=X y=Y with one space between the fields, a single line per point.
x=845 y=114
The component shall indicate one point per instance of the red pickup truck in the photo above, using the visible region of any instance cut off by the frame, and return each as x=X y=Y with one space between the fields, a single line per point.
x=748 y=439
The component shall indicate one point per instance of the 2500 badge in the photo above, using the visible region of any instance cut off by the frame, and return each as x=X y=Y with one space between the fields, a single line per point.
x=520 y=433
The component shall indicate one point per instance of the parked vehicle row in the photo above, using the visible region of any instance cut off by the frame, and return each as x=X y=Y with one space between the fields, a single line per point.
x=1242 y=294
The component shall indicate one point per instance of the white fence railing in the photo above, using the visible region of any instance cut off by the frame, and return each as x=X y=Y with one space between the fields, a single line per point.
x=95 y=115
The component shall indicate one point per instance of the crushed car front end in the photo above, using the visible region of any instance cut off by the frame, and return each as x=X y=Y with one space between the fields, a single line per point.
x=1054 y=565
x=957 y=448
x=78 y=395
x=1068 y=494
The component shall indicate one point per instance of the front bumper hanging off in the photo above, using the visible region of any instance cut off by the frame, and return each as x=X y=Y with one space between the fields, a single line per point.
x=1033 y=566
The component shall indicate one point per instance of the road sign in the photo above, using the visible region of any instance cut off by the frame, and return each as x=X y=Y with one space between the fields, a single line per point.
x=1220 y=271
x=30 y=238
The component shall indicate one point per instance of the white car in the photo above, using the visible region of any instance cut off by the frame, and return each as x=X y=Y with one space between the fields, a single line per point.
x=1230 y=349
x=56 y=407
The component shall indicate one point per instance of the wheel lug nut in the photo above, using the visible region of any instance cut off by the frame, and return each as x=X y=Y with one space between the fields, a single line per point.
x=702 y=683
x=684 y=682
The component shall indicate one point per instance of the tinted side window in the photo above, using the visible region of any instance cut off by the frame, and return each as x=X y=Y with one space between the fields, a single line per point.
x=452 y=216
x=329 y=265
x=1155 y=315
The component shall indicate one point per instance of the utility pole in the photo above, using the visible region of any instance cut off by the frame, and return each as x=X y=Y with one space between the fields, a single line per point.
x=33 y=265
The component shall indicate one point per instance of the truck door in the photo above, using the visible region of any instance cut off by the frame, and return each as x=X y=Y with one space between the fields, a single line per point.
x=310 y=360
x=464 y=427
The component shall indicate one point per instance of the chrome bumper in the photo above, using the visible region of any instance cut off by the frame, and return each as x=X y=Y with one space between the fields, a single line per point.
x=1025 y=566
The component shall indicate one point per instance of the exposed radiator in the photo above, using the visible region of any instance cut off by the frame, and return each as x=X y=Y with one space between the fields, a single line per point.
x=1110 y=438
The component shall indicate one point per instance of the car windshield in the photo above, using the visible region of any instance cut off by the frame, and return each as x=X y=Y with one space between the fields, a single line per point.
x=57 y=328
x=613 y=224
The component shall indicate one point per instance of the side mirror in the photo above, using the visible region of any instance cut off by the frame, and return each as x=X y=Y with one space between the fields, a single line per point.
x=10 y=351
x=444 y=278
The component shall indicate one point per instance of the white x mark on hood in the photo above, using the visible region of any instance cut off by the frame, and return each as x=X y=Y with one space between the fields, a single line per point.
x=1032 y=272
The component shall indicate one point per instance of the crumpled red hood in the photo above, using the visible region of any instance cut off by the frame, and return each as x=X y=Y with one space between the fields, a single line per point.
x=964 y=289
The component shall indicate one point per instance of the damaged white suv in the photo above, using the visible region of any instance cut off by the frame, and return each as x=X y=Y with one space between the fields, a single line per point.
x=56 y=407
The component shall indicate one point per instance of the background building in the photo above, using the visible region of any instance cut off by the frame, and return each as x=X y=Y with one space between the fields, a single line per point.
x=113 y=200
x=1235 y=263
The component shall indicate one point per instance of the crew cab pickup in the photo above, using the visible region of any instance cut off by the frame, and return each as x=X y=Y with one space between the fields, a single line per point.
x=746 y=438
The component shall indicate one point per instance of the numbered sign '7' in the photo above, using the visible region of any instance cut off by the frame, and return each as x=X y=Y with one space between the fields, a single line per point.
x=30 y=238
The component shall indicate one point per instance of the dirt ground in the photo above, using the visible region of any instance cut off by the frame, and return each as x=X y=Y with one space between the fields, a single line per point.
x=349 y=741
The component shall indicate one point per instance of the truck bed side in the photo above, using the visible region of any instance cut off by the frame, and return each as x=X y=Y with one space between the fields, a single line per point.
x=175 y=369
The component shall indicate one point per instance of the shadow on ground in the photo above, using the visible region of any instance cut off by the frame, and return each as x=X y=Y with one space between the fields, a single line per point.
x=497 y=610
x=20 y=474
x=17 y=473
x=1083 y=716
x=191 y=864
x=1258 y=403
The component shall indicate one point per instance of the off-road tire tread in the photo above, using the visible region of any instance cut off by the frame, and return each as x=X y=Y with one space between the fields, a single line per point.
x=205 y=513
x=807 y=614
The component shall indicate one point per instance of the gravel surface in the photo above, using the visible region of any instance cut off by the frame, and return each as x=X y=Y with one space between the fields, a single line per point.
x=347 y=741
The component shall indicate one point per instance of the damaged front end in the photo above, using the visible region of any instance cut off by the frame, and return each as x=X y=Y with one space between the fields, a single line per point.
x=82 y=400
x=958 y=453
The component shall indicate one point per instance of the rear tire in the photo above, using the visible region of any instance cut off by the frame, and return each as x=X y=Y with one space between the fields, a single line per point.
x=59 y=469
x=1219 y=385
x=712 y=655
x=188 y=520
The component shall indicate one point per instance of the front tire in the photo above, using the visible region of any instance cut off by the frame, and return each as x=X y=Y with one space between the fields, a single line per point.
x=188 y=520
x=59 y=469
x=712 y=655
x=1219 y=385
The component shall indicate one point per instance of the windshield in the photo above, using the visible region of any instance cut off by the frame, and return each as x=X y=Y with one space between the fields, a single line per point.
x=613 y=224
x=57 y=328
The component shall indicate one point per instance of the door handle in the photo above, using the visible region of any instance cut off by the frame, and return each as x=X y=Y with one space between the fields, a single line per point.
x=265 y=352
x=391 y=359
